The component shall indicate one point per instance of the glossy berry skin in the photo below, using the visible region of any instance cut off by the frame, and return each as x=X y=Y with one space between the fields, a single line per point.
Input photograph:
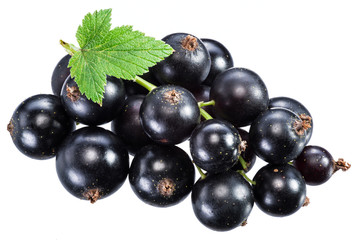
x=169 y=114
x=215 y=145
x=127 y=125
x=189 y=64
x=39 y=125
x=280 y=190
x=161 y=176
x=92 y=163
x=240 y=96
x=295 y=106
x=274 y=138
x=315 y=164
x=59 y=75
x=221 y=59
x=87 y=112
x=222 y=201
x=248 y=155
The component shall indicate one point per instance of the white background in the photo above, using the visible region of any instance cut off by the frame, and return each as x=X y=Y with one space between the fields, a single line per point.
x=308 y=50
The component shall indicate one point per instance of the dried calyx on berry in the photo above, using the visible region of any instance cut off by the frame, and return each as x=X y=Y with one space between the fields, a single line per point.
x=190 y=43
x=300 y=126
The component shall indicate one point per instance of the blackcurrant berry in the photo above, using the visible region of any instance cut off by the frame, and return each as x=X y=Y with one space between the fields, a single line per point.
x=222 y=201
x=92 y=163
x=161 y=176
x=221 y=59
x=169 y=114
x=278 y=135
x=240 y=96
x=296 y=107
x=280 y=190
x=215 y=145
x=317 y=165
x=59 y=75
x=85 y=111
x=127 y=125
x=188 y=66
x=39 y=125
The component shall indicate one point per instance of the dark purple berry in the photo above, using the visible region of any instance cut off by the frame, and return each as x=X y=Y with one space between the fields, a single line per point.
x=221 y=59
x=294 y=106
x=215 y=145
x=39 y=125
x=169 y=114
x=87 y=112
x=188 y=66
x=240 y=96
x=278 y=135
x=280 y=190
x=222 y=201
x=161 y=176
x=92 y=163
x=317 y=165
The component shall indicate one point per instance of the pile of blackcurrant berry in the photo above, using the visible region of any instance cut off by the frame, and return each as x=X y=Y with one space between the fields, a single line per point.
x=197 y=95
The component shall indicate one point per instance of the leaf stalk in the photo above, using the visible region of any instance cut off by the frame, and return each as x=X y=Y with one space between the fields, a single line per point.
x=69 y=48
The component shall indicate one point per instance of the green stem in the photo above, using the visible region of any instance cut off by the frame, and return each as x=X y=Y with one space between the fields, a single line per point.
x=142 y=82
x=242 y=162
x=70 y=48
x=202 y=174
x=246 y=177
x=209 y=103
x=205 y=114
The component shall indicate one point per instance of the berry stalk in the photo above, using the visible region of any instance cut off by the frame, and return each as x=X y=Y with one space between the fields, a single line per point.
x=242 y=162
x=203 y=113
x=242 y=173
x=202 y=174
x=209 y=103
x=142 y=82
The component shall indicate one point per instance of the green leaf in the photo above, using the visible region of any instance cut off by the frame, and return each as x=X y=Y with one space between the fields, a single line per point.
x=94 y=27
x=120 y=52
